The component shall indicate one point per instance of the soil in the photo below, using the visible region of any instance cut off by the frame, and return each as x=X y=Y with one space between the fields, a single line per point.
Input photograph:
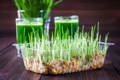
x=61 y=67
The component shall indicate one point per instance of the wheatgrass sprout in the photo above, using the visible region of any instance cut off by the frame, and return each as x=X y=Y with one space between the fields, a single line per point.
x=84 y=50
x=83 y=46
x=33 y=7
x=104 y=46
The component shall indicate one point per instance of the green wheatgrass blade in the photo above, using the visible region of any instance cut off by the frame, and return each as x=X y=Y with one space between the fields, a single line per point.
x=32 y=7
x=64 y=47
x=57 y=2
x=105 y=44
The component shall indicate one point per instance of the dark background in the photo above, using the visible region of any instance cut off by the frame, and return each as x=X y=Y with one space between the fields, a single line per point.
x=107 y=12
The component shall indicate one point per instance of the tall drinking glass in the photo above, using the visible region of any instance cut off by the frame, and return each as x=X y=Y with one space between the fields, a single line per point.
x=27 y=25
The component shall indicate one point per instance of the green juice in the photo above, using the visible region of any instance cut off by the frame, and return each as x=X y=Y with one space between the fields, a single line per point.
x=25 y=29
x=66 y=26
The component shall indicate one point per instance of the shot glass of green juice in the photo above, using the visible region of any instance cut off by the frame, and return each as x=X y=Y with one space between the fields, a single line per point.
x=68 y=24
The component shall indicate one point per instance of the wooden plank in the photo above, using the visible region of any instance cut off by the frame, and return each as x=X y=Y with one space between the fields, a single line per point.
x=116 y=63
x=109 y=20
x=6 y=41
x=105 y=73
x=12 y=67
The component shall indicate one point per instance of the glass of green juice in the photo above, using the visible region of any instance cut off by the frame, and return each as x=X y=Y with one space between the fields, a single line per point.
x=68 y=24
x=26 y=27
x=27 y=24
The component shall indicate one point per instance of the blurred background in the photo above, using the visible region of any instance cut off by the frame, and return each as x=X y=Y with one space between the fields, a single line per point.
x=107 y=12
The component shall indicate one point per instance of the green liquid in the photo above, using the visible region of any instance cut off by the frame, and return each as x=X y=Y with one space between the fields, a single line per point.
x=23 y=31
x=66 y=26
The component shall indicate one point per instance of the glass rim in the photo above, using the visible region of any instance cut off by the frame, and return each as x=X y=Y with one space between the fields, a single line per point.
x=67 y=17
x=29 y=21
x=72 y=18
x=28 y=10
x=37 y=18
x=19 y=12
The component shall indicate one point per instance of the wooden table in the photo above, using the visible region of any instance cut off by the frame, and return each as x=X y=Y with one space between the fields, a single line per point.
x=12 y=67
